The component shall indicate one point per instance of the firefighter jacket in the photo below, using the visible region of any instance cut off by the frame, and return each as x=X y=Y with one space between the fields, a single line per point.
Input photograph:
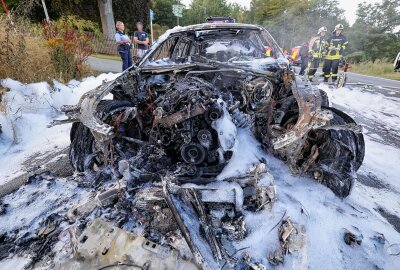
x=336 y=46
x=317 y=47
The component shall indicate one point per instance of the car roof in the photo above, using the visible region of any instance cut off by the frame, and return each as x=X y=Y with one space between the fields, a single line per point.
x=211 y=26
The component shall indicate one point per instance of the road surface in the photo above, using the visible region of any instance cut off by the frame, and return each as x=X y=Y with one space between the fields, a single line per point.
x=105 y=65
x=366 y=79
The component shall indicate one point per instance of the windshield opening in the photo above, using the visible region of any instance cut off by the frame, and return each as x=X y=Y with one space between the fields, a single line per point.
x=251 y=47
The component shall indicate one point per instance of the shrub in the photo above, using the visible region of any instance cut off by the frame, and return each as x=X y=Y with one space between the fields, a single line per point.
x=70 y=45
x=23 y=55
x=356 y=57
x=158 y=30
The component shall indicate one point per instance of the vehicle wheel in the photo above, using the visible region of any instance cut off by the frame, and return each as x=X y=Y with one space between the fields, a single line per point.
x=340 y=154
x=82 y=152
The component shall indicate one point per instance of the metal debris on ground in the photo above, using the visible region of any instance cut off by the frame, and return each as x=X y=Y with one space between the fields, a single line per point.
x=103 y=245
x=352 y=238
x=292 y=239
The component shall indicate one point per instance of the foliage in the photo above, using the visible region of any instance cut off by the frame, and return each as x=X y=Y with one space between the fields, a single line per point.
x=81 y=25
x=23 y=56
x=199 y=10
x=373 y=31
x=131 y=12
x=158 y=30
x=70 y=45
x=291 y=22
x=163 y=12
x=356 y=57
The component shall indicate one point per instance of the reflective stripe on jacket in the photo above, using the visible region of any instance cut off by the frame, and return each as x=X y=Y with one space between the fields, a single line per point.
x=318 y=46
x=336 y=46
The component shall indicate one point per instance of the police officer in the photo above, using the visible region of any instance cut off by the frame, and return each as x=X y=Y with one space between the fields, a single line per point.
x=316 y=52
x=124 y=46
x=336 y=45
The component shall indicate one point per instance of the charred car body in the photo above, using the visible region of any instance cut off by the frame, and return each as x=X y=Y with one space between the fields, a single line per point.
x=173 y=122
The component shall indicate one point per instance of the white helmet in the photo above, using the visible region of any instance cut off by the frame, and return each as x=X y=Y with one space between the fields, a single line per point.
x=339 y=27
x=322 y=29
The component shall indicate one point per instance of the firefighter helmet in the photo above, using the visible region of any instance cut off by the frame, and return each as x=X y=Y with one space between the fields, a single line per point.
x=339 y=27
x=322 y=29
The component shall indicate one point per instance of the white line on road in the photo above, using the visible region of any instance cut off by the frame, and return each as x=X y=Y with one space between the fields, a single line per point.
x=373 y=77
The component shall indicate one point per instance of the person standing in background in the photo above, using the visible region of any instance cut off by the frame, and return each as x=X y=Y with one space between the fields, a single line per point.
x=141 y=39
x=336 y=46
x=304 y=57
x=124 y=45
x=316 y=52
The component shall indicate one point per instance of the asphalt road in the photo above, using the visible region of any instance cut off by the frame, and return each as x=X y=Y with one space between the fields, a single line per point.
x=105 y=65
x=365 y=79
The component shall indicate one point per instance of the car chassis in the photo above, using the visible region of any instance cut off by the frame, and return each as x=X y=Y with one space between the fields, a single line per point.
x=173 y=122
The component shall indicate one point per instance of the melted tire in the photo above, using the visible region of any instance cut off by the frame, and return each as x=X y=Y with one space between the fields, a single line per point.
x=340 y=155
x=82 y=148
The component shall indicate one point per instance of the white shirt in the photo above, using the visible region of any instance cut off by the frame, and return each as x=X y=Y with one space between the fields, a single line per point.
x=121 y=37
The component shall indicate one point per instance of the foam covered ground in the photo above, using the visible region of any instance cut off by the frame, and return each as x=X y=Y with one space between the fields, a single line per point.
x=27 y=109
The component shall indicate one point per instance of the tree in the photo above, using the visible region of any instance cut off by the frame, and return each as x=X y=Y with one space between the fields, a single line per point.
x=239 y=13
x=373 y=33
x=107 y=17
x=293 y=22
x=163 y=12
x=199 y=10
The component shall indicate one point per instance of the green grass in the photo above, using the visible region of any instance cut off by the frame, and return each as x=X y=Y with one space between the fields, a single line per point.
x=378 y=69
x=106 y=56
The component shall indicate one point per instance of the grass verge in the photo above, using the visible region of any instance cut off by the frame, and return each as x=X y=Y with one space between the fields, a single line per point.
x=378 y=69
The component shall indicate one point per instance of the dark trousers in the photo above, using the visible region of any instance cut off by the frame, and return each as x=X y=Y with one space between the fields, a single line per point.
x=126 y=56
x=331 y=66
x=304 y=64
x=313 y=67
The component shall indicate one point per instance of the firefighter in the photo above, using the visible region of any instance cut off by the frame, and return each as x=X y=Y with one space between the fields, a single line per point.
x=316 y=52
x=336 y=45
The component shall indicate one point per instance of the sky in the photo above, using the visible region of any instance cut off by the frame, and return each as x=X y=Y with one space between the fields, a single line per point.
x=350 y=6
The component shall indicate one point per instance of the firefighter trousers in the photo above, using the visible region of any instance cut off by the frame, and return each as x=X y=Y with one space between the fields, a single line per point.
x=313 y=66
x=331 y=67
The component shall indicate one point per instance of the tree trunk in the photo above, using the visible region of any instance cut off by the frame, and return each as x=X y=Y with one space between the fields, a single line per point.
x=107 y=17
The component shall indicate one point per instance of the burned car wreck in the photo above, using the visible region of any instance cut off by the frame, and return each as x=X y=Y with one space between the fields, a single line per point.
x=171 y=128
